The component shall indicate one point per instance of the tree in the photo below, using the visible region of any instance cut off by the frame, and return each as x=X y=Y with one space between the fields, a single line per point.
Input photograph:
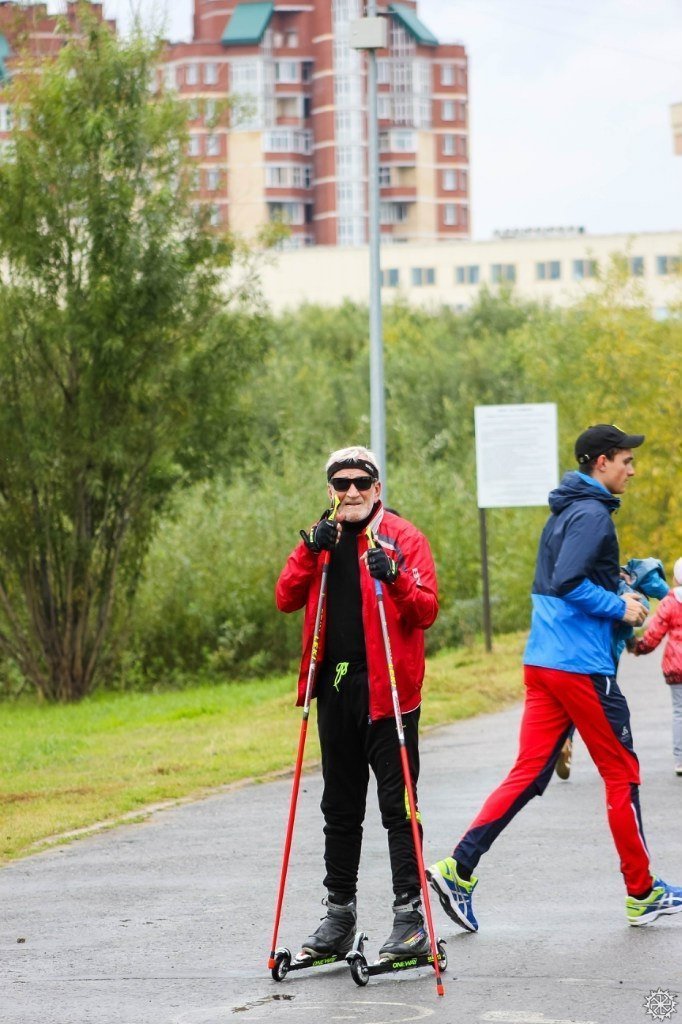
x=120 y=366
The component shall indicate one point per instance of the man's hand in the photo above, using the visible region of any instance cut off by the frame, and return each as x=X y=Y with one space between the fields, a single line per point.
x=380 y=566
x=635 y=612
x=324 y=536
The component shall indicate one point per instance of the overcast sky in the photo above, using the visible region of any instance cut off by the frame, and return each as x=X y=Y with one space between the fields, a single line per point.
x=569 y=106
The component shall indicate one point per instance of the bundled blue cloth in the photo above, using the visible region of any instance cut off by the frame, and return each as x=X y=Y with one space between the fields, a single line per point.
x=647 y=577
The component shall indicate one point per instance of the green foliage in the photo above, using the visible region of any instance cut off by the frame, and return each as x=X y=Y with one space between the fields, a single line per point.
x=206 y=601
x=121 y=370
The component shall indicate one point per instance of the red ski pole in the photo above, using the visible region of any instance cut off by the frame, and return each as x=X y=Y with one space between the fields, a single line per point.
x=301 y=746
x=406 y=775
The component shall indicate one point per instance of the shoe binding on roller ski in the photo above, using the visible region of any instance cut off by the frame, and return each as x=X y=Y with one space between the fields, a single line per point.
x=409 y=937
x=336 y=931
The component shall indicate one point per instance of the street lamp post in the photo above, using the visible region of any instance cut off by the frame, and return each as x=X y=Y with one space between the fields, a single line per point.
x=370 y=34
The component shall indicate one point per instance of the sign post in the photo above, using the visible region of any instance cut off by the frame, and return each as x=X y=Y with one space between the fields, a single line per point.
x=516 y=466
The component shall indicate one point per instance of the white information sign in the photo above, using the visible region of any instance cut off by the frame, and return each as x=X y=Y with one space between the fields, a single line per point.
x=516 y=454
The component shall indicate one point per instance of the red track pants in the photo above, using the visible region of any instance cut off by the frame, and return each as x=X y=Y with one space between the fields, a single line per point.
x=555 y=700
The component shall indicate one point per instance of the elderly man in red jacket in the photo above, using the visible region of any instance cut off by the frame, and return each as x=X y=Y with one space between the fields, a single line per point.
x=354 y=708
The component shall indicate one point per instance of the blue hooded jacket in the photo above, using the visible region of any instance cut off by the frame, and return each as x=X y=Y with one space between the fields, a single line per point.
x=575 y=600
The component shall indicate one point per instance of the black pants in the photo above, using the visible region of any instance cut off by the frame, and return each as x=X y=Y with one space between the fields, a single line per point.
x=351 y=744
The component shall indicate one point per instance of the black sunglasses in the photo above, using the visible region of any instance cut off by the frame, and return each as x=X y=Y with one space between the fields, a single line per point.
x=342 y=483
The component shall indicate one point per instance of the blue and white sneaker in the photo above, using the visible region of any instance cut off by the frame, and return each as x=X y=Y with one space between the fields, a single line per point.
x=663 y=899
x=454 y=892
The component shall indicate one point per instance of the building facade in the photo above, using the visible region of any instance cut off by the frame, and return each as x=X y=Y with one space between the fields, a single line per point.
x=676 y=124
x=554 y=269
x=293 y=146
x=33 y=31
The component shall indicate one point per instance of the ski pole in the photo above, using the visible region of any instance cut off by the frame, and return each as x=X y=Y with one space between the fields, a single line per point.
x=301 y=744
x=379 y=590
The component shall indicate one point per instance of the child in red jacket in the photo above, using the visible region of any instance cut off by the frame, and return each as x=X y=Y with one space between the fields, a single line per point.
x=668 y=620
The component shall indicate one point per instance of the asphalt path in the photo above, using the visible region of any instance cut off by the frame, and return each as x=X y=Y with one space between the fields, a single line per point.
x=169 y=921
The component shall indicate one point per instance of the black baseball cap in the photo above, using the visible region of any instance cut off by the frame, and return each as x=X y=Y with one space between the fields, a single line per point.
x=600 y=438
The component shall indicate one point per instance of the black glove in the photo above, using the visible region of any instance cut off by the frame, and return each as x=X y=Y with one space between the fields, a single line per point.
x=321 y=537
x=380 y=566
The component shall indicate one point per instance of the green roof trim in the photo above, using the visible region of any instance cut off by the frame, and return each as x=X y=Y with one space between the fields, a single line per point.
x=247 y=25
x=411 y=22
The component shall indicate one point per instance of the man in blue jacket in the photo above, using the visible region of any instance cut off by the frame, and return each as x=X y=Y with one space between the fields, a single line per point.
x=569 y=675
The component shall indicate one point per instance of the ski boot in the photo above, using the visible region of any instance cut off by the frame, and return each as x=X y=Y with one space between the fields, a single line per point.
x=408 y=937
x=336 y=931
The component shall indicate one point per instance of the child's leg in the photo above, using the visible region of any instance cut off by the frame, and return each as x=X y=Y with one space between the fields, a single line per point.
x=676 y=694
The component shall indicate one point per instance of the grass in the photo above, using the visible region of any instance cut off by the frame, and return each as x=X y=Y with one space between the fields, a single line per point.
x=70 y=767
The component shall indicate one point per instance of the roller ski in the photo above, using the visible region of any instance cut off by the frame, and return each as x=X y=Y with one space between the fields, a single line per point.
x=330 y=943
x=406 y=948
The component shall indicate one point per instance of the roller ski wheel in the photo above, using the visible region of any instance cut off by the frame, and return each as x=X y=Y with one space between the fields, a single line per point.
x=282 y=964
x=361 y=971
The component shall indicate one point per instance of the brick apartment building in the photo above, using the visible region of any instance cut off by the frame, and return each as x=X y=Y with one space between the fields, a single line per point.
x=33 y=30
x=296 y=147
x=293 y=147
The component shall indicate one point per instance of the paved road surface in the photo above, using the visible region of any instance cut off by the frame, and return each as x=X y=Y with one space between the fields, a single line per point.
x=169 y=922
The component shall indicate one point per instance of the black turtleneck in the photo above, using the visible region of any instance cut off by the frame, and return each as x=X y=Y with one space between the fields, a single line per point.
x=345 y=635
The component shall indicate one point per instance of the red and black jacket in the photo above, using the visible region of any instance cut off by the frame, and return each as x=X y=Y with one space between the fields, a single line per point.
x=411 y=605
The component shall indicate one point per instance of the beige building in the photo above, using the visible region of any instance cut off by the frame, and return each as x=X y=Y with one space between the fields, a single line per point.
x=676 y=121
x=552 y=267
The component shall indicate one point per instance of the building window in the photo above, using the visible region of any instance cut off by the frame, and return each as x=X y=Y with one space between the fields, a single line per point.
x=550 y=270
x=301 y=175
x=390 y=278
x=287 y=213
x=667 y=264
x=423 y=275
x=291 y=39
x=287 y=140
x=5 y=117
x=384 y=176
x=286 y=71
x=449 y=145
x=467 y=275
x=447 y=74
x=583 y=269
x=215 y=216
x=502 y=272
x=212 y=145
x=192 y=74
x=393 y=213
x=194 y=148
x=276 y=177
x=383 y=71
x=447 y=110
x=384 y=107
x=307 y=71
x=169 y=77
x=449 y=179
x=210 y=74
x=450 y=215
x=403 y=141
x=213 y=179
x=636 y=264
